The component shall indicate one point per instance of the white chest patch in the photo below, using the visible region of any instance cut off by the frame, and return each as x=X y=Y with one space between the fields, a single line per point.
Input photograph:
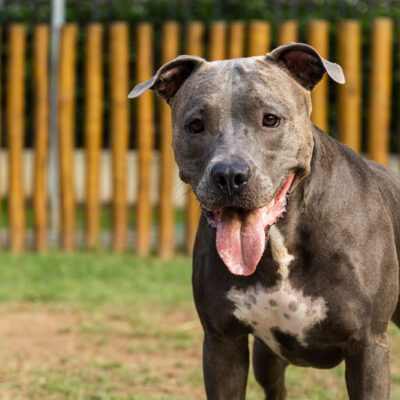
x=282 y=306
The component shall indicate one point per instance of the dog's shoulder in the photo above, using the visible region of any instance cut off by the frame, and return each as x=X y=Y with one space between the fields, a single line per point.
x=355 y=175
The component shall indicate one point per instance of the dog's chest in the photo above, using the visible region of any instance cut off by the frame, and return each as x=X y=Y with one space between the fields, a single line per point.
x=278 y=309
x=281 y=308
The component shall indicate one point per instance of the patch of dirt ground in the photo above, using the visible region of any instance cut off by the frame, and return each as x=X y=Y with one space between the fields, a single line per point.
x=65 y=352
x=62 y=352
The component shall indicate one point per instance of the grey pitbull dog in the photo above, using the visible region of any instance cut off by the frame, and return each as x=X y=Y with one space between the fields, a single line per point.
x=299 y=239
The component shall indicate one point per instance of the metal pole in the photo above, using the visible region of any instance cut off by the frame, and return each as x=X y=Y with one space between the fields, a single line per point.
x=2 y=19
x=57 y=20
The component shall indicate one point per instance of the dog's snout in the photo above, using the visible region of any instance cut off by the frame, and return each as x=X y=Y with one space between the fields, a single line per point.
x=230 y=178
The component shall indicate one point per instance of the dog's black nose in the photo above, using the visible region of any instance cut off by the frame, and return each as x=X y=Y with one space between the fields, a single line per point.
x=232 y=177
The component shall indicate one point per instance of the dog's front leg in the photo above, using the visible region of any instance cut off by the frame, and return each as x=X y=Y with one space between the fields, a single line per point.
x=225 y=366
x=368 y=369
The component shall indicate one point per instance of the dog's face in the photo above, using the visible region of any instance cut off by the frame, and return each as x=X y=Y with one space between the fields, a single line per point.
x=242 y=135
x=240 y=127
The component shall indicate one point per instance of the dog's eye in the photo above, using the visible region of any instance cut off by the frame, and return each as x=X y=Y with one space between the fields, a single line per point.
x=196 y=126
x=271 y=120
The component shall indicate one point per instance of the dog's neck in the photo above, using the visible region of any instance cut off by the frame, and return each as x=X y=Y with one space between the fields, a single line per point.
x=309 y=196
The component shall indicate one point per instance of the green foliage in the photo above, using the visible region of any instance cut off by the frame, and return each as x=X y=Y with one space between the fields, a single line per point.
x=182 y=10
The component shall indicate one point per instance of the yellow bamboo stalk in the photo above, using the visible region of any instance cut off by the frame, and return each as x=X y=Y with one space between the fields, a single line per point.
x=145 y=132
x=66 y=131
x=195 y=38
x=217 y=41
x=41 y=110
x=288 y=32
x=236 y=39
x=194 y=46
x=170 y=49
x=318 y=37
x=380 y=90
x=93 y=129
x=349 y=57
x=15 y=131
x=119 y=84
x=259 y=38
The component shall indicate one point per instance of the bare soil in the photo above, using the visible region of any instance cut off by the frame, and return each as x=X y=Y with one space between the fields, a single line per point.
x=66 y=352
x=37 y=342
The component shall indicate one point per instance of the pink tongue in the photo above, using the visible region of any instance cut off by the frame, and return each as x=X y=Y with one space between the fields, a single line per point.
x=241 y=239
x=240 y=243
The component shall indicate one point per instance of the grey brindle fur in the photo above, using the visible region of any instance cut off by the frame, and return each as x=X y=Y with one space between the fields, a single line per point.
x=340 y=232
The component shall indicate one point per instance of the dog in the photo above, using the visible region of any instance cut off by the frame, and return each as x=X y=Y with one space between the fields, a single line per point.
x=299 y=238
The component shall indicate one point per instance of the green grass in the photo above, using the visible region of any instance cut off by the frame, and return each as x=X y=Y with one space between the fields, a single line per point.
x=93 y=279
x=113 y=326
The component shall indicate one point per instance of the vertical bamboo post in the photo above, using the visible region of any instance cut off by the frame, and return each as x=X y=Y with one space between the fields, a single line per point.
x=380 y=90
x=318 y=37
x=170 y=49
x=217 y=41
x=144 y=138
x=288 y=32
x=119 y=127
x=93 y=129
x=15 y=131
x=41 y=110
x=194 y=47
x=236 y=40
x=259 y=38
x=66 y=131
x=349 y=57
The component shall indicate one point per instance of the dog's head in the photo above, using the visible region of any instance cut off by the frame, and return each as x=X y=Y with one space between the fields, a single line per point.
x=242 y=136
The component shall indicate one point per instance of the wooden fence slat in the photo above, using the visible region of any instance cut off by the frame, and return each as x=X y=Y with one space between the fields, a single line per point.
x=170 y=50
x=66 y=131
x=318 y=37
x=93 y=129
x=145 y=138
x=236 y=39
x=15 y=131
x=119 y=127
x=195 y=38
x=217 y=41
x=41 y=110
x=288 y=32
x=194 y=46
x=259 y=38
x=380 y=87
x=349 y=57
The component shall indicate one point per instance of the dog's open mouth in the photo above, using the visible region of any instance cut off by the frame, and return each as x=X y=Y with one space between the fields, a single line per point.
x=241 y=234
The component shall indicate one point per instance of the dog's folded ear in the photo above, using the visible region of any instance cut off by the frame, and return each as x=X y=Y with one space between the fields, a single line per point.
x=305 y=64
x=169 y=77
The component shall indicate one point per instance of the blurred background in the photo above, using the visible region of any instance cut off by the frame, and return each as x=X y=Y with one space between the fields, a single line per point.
x=90 y=169
x=95 y=226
